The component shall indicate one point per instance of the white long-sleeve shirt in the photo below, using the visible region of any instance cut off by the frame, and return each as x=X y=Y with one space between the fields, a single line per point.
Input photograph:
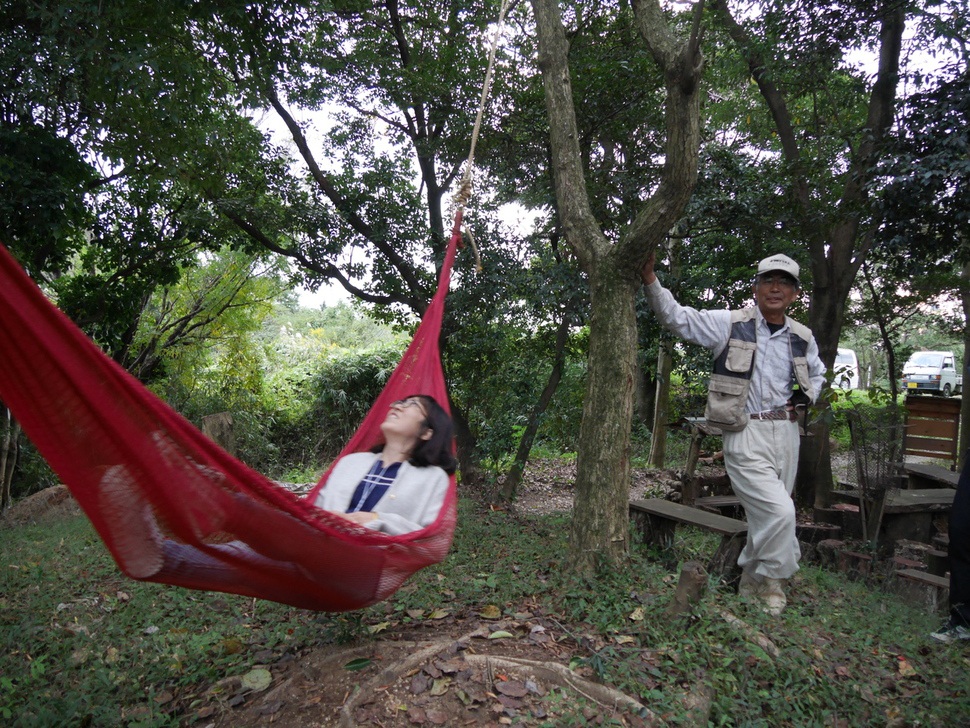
x=772 y=378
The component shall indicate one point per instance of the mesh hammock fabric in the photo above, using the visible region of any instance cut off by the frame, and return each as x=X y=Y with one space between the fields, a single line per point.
x=175 y=508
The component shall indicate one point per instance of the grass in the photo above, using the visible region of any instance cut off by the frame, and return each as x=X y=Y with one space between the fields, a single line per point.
x=81 y=645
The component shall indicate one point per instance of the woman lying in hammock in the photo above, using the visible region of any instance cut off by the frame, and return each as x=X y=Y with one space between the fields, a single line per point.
x=401 y=485
x=398 y=488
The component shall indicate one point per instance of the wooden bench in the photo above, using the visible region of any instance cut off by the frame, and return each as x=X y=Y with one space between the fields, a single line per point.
x=725 y=505
x=908 y=514
x=923 y=589
x=658 y=520
x=922 y=476
x=699 y=429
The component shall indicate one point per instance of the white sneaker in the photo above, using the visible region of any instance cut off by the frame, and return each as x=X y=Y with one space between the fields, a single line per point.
x=951 y=631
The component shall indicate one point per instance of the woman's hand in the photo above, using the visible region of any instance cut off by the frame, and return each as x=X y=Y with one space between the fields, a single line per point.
x=360 y=517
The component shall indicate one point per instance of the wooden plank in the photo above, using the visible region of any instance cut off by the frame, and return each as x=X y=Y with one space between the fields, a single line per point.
x=931 y=428
x=933 y=406
x=936 y=454
x=719 y=501
x=924 y=578
x=691 y=516
x=920 y=471
x=725 y=505
x=921 y=500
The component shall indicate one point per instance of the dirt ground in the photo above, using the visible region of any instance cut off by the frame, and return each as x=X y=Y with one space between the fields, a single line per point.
x=475 y=668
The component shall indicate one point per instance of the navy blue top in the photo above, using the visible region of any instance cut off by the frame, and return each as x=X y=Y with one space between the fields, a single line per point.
x=373 y=486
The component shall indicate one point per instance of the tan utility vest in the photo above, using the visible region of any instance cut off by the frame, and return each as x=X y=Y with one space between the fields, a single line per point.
x=727 y=393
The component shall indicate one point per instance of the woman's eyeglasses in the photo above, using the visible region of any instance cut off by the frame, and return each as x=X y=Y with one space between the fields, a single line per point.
x=405 y=403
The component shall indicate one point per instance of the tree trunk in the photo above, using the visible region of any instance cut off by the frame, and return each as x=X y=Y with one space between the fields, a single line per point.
x=514 y=476
x=600 y=523
x=468 y=466
x=661 y=416
x=965 y=400
x=8 y=456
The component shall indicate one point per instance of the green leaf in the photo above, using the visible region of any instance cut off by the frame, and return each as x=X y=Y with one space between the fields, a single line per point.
x=358 y=663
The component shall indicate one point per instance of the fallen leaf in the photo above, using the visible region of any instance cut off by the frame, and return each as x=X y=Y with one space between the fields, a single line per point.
x=376 y=628
x=440 y=687
x=419 y=684
x=439 y=614
x=257 y=680
x=512 y=688
x=906 y=668
x=868 y=695
x=636 y=615
x=625 y=639
x=231 y=646
x=416 y=715
x=500 y=634
x=358 y=663
x=490 y=611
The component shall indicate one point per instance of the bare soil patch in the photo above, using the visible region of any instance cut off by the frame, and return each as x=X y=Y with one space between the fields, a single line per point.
x=460 y=670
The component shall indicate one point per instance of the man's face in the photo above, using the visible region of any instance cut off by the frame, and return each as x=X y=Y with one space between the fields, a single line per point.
x=774 y=292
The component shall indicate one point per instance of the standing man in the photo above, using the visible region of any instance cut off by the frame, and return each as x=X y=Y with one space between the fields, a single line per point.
x=759 y=356
x=957 y=627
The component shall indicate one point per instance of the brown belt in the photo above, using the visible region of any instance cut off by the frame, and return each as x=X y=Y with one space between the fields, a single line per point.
x=775 y=415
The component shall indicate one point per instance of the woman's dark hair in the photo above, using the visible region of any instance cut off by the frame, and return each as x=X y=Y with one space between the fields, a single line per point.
x=436 y=450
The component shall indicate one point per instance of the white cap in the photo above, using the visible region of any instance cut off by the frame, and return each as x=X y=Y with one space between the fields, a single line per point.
x=780 y=263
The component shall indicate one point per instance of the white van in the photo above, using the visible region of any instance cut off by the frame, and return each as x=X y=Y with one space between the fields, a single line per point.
x=846 y=369
x=932 y=372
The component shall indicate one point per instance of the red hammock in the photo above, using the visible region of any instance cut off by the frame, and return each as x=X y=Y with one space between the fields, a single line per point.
x=175 y=508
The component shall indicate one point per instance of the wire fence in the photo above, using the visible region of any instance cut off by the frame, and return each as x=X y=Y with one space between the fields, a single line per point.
x=877 y=449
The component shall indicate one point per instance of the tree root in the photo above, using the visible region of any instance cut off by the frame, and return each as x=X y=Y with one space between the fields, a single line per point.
x=602 y=695
x=391 y=673
x=550 y=672
x=751 y=634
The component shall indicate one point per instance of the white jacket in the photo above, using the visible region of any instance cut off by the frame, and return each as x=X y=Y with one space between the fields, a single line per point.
x=411 y=503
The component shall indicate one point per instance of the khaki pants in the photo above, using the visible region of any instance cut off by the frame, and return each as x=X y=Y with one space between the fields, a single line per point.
x=761 y=461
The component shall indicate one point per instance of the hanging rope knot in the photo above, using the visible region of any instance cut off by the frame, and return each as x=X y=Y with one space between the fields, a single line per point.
x=464 y=192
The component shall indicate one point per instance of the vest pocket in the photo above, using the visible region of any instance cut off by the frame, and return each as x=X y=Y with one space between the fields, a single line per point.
x=726 y=398
x=802 y=376
x=740 y=354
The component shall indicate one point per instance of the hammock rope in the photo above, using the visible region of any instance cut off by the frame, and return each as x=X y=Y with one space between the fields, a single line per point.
x=175 y=508
x=465 y=188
